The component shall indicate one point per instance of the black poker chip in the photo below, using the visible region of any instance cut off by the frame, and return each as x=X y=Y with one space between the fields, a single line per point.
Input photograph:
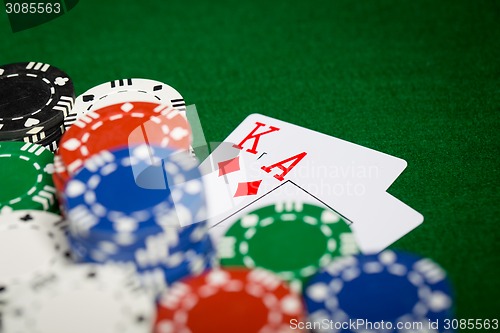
x=51 y=142
x=34 y=98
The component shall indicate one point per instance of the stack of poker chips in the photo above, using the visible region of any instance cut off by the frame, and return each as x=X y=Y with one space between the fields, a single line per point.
x=143 y=205
x=129 y=125
x=36 y=103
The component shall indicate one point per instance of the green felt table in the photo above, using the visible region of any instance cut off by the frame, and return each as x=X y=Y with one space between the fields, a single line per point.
x=415 y=79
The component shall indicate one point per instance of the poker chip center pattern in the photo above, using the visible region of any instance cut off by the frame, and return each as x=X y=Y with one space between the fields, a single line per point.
x=26 y=181
x=81 y=299
x=48 y=313
x=253 y=306
x=361 y=305
x=25 y=256
x=114 y=190
x=31 y=242
x=271 y=251
x=16 y=186
x=23 y=94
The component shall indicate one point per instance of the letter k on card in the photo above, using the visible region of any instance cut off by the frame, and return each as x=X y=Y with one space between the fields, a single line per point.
x=263 y=153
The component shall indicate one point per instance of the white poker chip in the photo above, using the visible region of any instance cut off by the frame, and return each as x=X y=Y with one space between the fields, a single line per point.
x=127 y=90
x=31 y=243
x=82 y=298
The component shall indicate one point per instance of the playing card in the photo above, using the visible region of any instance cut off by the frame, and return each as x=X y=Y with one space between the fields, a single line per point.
x=264 y=153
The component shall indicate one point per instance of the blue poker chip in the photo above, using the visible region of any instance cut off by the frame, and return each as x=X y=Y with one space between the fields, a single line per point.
x=399 y=289
x=134 y=192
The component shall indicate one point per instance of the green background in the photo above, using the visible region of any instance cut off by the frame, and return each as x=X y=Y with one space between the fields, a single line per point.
x=415 y=79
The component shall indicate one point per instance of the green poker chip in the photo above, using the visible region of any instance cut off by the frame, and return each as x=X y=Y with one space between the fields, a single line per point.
x=293 y=240
x=26 y=177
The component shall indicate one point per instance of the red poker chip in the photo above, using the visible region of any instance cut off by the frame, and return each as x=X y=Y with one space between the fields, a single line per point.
x=229 y=301
x=120 y=125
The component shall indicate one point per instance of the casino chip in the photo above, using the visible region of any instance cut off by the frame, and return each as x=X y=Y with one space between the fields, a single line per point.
x=35 y=99
x=127 y=90
x=81 y=299
x=391 y=287
x=31 y=243
x=128 y=123
x=231 y=300
x=26 y=180
x=291 y=239
x=135 y=191
x=143 y=205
